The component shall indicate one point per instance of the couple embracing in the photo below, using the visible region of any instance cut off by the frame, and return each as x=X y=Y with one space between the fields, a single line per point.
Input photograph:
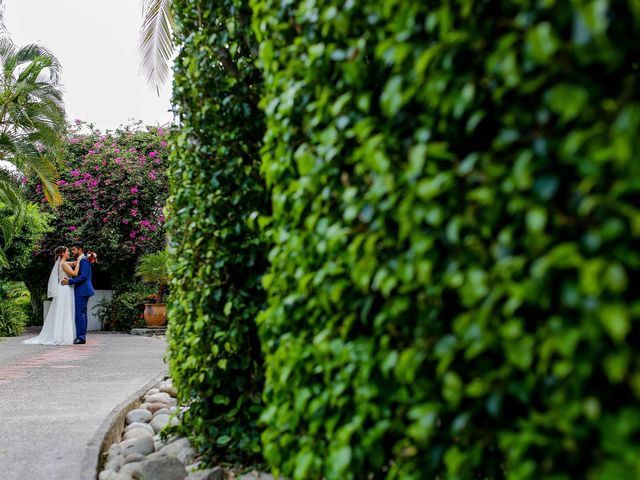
x=70 y=287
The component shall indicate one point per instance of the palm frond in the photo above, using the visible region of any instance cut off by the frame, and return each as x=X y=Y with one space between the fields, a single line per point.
x=156 y=45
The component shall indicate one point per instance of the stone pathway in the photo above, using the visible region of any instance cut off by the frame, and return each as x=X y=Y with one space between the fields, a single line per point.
x=55 y=399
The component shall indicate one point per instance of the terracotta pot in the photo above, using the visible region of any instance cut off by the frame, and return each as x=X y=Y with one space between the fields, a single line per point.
x=155 y=314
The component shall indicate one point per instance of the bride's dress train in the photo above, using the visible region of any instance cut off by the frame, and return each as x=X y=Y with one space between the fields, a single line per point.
x=59 y=327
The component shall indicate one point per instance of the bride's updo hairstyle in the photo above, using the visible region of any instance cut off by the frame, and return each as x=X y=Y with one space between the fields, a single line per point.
x=59 y=251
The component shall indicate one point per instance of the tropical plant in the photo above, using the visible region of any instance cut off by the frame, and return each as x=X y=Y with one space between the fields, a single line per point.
x=156 y=45
x=20 y=253
x=152 y=268
x=13 y=318
x=124 y=310
x=32 y=115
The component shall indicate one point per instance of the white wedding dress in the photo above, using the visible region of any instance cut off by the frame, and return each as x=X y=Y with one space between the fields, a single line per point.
x=59 y=327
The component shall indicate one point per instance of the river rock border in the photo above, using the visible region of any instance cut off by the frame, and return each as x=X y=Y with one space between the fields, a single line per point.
x=141 y=453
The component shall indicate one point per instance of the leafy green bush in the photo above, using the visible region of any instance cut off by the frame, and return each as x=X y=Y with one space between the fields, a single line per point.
x=216 y=260
x=453 y=283
x=13 y=318
x=125 y=309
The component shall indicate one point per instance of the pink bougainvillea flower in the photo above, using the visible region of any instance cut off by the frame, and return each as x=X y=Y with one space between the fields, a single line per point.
x=153 y=154
x=62 y=182
x=132 y=234
x=125 y=221
x=86 y=176
x=163 y=144
x=134 y=212
x=24 y=181
x=74 y=140
x=73 y=228
x=78 y=121
x=118 y=159
x=134 y=189
x=161 y=219
x=75 y=172
x=132 y=149
x=135 y=202
x=153 y=175
x=117 y=150
x=97 y=167
x=92 y=152
x=94 y=183
x=105 y=220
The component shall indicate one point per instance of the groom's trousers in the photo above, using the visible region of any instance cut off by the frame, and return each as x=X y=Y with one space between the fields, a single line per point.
x=81 y=317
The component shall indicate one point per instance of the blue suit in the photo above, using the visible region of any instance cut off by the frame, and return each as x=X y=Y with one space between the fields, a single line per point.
x=82 y=292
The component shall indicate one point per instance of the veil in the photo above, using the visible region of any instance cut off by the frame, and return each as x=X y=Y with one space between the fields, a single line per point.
x=54 y=282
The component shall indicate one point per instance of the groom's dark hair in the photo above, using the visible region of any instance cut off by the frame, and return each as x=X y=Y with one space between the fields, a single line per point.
x=78 y=245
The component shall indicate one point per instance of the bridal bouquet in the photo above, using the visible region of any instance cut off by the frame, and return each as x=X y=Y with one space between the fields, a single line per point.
x=92 y=256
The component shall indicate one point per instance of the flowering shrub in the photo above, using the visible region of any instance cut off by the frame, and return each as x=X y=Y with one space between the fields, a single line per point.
x=114 y=189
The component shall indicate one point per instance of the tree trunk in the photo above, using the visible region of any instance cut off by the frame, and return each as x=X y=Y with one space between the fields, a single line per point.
x=37 y=297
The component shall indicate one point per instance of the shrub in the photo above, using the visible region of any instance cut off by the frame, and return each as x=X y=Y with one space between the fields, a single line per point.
x=125 y=309
x=456 y=224
x=20 y=254
x=216 y=260
x=114 y=187
x=13 y=317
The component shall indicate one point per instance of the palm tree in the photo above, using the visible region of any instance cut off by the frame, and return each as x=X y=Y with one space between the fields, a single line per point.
x=32 y=115
x=156 y=43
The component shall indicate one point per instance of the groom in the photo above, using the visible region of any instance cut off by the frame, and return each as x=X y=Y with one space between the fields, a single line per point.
x=82 y=292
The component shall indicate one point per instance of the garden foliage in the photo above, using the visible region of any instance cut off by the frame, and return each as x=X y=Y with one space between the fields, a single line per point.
x=216 y=259
x=453 y=283
x=114 y=187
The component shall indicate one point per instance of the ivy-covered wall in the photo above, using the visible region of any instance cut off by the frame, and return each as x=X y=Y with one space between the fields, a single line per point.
x=453 y=282
x=217 y=260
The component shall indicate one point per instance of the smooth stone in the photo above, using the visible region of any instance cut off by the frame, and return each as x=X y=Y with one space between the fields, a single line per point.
x=134 y=457
x=152 y=391
x=139 y=415
x=156 y=456
x=161 y=469
x=136 y=433
x=158 y=398
x=115 y=449
x=143 y=445
x=210 y=474
x=143 y=426
x=257 y=476
x=159 y=422
x=180 y=449
x=106 y=474
x=114 y=462
x=131 y=469
x=174 y=422
x=154 y=407
x=121 y=476
x=170 y=390
x=163 y=411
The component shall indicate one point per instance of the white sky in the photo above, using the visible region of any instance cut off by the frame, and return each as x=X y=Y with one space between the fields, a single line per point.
x=96 y=42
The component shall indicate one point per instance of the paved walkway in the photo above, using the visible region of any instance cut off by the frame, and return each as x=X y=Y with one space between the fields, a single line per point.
x=53 y=400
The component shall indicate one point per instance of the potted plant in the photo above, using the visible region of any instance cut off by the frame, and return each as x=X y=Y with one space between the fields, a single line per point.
x=152 y=268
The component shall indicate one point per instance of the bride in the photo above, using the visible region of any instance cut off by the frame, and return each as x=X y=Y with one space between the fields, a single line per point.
x=59 y=327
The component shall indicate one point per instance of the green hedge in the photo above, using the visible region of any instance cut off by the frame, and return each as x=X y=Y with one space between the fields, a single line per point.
x=453 y=289
x=216 y=259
